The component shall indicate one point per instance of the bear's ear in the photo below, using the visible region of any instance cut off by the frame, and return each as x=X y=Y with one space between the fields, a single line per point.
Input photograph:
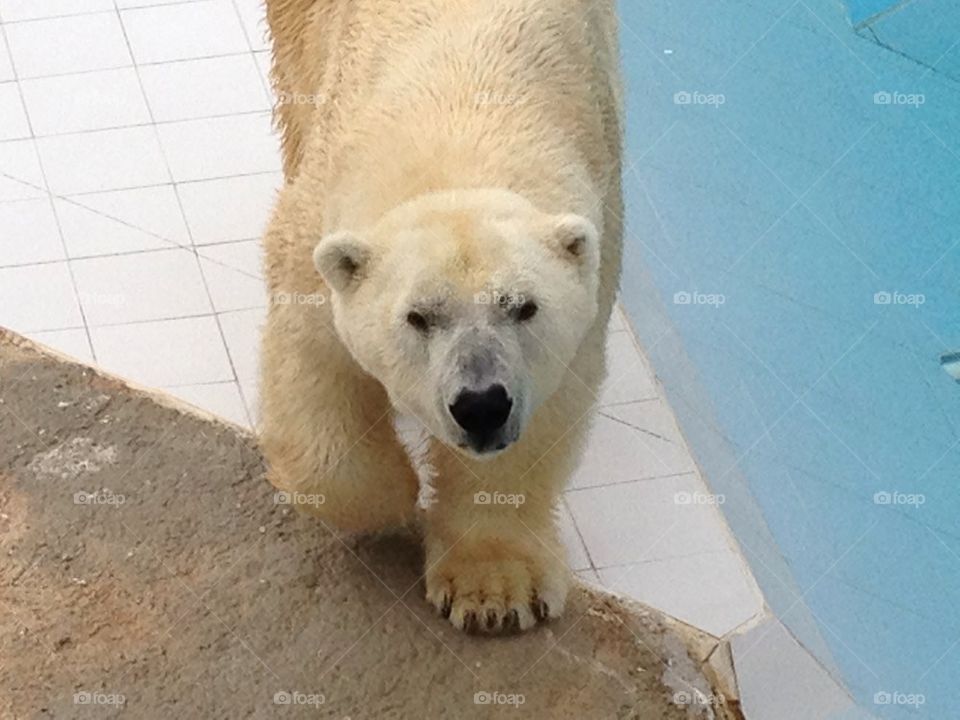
x=341 y=258
x=577 y=240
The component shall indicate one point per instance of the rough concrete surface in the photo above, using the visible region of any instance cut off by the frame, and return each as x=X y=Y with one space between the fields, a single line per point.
x=149 y=572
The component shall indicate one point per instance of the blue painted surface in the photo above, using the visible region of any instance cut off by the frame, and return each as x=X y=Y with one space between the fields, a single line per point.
x=861 y=10
x=907 y=31
x=803 y=172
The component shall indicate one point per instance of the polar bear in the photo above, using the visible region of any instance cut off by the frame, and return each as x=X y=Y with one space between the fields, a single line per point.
x=452 y=213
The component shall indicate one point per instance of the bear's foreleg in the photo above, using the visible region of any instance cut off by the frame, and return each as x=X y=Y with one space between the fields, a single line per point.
x=327 y=430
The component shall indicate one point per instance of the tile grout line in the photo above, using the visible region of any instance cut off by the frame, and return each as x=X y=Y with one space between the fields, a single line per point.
x=66 y=16
x=84 y=193
x=651 y=478
x=128 y=323
x=623 y=403
x=264 y=82
x=264 y=85
x=183 y=215
x=206 y=383
x=146 y=251
x=46 y=189
x=171 y=243
x=136 y=125
x=630 y=425
x=151 y=63
x=668 y=558
x=576 y=529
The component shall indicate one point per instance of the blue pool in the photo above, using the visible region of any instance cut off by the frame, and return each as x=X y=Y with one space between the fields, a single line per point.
x=793 y=269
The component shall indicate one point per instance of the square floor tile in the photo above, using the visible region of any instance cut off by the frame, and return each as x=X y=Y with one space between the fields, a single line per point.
x=711 y=591
x=20 y=174
x=140 y=286
x=220 y=147
x=121 y=221
x=67 y=45
x=194 y=89
x=236 y=208
x=647 y=520
x=13 y=118
x=38 y=297
x=628 y=377
x=221 y=399
x=778 y=678
x=184 y=31
x=242 y=332
x=29 y=233
x=631 y=442
x=165 y=352
x=15 y=10
x=88 y=101
x=233 y=274
x=103 y=160
x=70 y=342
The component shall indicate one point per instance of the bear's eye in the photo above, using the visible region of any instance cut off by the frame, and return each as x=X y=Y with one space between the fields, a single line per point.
x=526 y=311
x=418 y=322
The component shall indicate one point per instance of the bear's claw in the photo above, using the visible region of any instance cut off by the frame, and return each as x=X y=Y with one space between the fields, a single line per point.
x=496 y=598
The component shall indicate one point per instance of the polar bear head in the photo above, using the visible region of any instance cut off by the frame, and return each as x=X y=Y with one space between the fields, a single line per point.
x=468 y=306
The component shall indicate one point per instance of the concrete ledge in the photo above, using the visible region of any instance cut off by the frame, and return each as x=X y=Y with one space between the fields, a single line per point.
x=147 y=561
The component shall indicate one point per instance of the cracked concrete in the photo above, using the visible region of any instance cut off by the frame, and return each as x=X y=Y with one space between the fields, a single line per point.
x=150 y=571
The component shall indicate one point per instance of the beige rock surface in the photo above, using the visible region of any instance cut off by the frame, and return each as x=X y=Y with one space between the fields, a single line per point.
x=145 y=559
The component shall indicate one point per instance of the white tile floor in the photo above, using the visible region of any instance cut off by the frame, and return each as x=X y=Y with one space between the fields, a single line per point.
x=137 y=170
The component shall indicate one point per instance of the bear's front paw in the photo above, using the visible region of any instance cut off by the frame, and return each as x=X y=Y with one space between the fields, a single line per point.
x=496 y=593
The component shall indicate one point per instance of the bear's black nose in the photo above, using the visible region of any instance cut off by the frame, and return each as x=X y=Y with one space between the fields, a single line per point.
x=481 y=413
